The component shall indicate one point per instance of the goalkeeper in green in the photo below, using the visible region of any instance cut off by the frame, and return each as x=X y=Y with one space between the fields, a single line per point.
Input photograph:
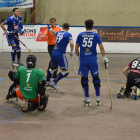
x=29 y=84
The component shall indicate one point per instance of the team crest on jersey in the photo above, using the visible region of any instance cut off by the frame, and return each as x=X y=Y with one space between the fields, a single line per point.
x=28 y=84
x=87 y=49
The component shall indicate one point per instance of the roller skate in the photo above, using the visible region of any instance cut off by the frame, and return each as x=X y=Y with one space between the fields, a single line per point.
x=9 y=96
x=48 y=85
x=29 y=106
x=20 y=63
x=121 y=92
x=86 y=101
x=54 y=87
x=135 y=93
x=98 y=100
x=14 y=65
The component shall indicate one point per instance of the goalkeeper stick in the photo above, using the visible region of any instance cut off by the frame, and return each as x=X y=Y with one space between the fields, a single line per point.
x=108 y=86
x=23 y=44
x=74 y=65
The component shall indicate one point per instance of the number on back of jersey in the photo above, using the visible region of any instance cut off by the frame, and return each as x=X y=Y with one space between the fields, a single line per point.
x=135 y=65
x=58 y=38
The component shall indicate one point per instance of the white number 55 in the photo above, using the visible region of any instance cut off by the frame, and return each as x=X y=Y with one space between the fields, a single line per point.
x=87 y=42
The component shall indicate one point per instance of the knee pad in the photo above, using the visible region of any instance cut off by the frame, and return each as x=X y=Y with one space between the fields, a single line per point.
x=12 y=74
x=84 y=81
x=96 y=81
x=41 y=89
x=52 y=70
x=65 y=73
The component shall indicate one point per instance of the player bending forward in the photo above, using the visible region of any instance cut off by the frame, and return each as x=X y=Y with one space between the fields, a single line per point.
x=132 y=72
x=28 y=82
x=58 y=56
x=14 y=26
x=87 y=42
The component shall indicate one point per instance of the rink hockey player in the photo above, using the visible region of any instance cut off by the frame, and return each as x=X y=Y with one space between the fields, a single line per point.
x=14 y=26
x=58 y=56
x=87 y=42
x=28 y=82
x=132 y=72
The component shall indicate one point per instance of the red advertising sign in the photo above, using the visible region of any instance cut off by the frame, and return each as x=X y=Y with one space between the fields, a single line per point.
x=41 y=32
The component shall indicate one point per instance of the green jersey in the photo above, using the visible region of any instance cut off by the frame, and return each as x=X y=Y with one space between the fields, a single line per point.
x=29 y=79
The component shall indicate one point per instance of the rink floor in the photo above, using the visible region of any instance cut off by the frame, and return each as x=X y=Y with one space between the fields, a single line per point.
x=65 y=118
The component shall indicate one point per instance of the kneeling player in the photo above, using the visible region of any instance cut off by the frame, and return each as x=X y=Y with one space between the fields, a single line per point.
x=132 y=72
x=28 y=82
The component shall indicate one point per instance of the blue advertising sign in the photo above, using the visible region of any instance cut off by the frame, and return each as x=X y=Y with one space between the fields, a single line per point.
x=15 y=3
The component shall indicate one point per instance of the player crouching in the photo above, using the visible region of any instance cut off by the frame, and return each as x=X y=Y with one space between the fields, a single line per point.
x=132 y=72
x=28 y=82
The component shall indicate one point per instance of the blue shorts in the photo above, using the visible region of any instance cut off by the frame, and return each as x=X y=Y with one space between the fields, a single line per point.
x=86 y=65
x=59 y=58
x=12 y=40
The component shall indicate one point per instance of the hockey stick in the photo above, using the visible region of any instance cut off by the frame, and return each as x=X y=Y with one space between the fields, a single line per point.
x=74 y=65
x=23 y=44
x=109 y=86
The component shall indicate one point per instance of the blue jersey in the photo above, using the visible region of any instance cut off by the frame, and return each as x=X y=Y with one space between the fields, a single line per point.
x=14 y=24
x=87 y=41
x=62 y=40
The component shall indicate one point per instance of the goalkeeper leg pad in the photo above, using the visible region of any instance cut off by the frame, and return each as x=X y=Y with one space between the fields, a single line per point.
x=43 y=102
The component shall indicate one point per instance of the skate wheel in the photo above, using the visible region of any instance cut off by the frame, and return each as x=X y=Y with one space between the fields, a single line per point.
x=135 y=97
x=122 y=86
x=6 y=99
x=47 y=88
x=98 y=103
x=84 y=104
x=118 y=95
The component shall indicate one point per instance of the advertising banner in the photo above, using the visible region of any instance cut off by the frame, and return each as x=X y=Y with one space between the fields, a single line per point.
x=115 y=40
x=16 y=3
x=119 y=34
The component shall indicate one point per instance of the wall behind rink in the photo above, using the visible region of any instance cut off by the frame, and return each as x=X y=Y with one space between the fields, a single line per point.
x=103 y=12
x=115 y=39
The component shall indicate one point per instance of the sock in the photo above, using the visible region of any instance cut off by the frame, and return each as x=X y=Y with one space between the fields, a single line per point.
x=97 y=88
x=86 y=91
x=13 y=55
x=49 y=75
x=58 y=77
x=18 y=55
